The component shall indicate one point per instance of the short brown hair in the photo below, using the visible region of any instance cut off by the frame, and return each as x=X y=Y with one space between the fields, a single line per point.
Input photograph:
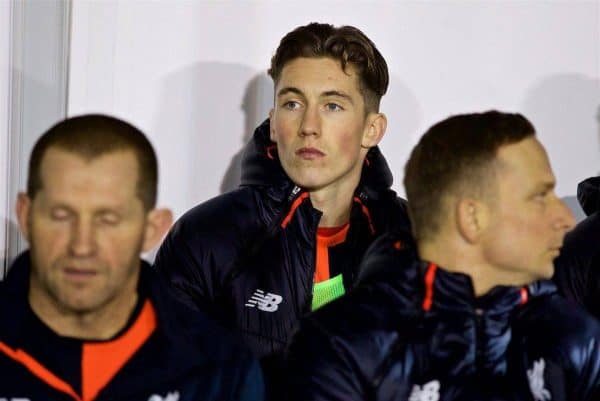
x=345 y=44
x=454 y=157
x=94 y=135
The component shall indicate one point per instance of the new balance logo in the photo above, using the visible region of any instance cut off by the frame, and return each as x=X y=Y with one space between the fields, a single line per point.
x=536 y=381
x=266 y=302
x=429 y=391
x=173 y=396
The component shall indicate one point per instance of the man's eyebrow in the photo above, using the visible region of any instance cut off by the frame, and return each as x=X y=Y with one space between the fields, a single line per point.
x=546 y=185
x=289 y=89
x=338 y=94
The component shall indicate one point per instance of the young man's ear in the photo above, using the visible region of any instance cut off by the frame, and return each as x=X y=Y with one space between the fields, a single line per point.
x=376 y=126
x=271 y=126
x=471 y=219
x=22 y=209
x=158 y=223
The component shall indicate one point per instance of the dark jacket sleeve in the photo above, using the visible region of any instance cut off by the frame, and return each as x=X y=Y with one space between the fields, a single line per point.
x=202 y=251
x=179 y=264
x=577 y=273
x=584 y=358
x=320 y=368
x=251 y=385
x=568 y=338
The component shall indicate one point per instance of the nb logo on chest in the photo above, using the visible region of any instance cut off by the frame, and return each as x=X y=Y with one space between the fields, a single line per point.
x=268 y=302
x=429 y=391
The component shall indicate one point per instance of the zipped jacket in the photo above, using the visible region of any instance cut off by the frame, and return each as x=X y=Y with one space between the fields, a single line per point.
x=247 y=257
x=166 y=354
x=577 y=273
x=421 y=334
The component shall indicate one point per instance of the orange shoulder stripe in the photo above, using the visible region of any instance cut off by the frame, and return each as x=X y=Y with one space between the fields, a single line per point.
x=39 y=370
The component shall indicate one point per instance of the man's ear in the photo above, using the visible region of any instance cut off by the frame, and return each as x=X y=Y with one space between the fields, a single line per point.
x=158 y=222
x=375 y=129
x=471 y=219
x=22 y=209
x=273 y=136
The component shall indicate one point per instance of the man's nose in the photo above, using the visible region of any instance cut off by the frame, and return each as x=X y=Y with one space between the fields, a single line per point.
x=83 y=241
x=311 y=122
x=564 y=218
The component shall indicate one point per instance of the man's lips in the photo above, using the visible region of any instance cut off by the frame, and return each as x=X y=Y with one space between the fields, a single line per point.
x=309 y=153
x=555 y=249
x=75 y=273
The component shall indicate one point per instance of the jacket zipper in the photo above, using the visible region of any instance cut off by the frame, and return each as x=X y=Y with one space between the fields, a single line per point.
x=479 y=351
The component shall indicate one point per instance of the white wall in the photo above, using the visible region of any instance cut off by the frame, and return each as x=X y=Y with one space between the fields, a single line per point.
x=191 y=74
x=33 y=54
x=4 y=100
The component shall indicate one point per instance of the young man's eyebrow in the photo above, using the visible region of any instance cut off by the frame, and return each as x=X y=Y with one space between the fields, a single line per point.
x=289 y=89
x=338 y=94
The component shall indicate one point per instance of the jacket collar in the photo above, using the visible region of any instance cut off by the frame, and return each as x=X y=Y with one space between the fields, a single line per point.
x=261 y=166
x=454 y=291
x=14 y=300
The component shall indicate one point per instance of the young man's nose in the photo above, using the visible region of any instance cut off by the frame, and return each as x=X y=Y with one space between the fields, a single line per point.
x=311 y=122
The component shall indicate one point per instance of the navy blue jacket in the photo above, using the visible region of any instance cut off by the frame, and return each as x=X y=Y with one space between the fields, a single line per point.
x=260 y=241
x=577 y=273
x=421 y=334
x=185 y=358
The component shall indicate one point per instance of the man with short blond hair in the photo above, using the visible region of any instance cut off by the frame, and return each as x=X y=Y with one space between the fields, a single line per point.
x=476 y=318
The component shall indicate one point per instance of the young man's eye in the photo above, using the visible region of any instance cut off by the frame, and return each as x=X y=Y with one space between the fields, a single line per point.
x=291 y=105
x=333 y=107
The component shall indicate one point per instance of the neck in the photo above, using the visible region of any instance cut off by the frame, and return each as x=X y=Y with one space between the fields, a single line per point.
x=99 y=324
x=456 y=257
x=334 y=204
x=335 y=200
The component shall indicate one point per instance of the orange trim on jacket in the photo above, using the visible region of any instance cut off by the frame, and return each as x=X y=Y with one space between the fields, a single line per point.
x=429 y=279
x=100 y=361
x=295 y=206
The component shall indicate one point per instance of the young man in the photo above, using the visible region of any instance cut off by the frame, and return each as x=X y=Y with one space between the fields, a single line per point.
x=81 y=316
x=577 y=273
x=315 y=192
x=476 y=317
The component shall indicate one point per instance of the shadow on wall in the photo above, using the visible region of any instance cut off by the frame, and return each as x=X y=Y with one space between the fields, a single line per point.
x=257 y=101
x=404 y=115
x=198 y=128
x=565 y=108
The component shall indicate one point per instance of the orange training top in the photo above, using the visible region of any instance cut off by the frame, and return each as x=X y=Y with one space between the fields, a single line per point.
x=326 y=238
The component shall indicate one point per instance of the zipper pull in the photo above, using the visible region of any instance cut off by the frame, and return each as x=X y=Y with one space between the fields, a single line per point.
x=295 y=191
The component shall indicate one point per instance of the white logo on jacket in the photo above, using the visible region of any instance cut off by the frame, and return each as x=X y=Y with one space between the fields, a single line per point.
x=429 y=391
x=266 y=302
x=536 y=381
x=172 y=396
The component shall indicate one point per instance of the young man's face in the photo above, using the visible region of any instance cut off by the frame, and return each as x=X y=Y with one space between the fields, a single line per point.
x=86 y=227
x=528 y=221
x=320 y=125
